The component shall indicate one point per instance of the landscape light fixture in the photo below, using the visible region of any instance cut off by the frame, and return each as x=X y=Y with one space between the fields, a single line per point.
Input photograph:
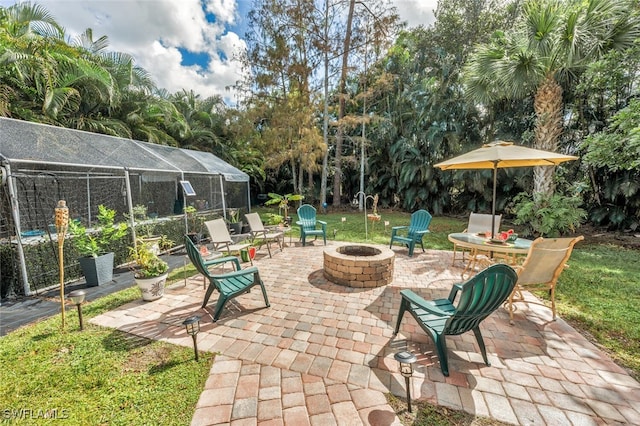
x=406 y=360
x=77 y=297
x=192 y=324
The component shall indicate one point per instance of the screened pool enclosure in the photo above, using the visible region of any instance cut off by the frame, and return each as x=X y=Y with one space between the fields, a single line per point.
x=41 y=164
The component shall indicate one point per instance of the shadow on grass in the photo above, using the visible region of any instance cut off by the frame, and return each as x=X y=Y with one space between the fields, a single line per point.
x=119 y=341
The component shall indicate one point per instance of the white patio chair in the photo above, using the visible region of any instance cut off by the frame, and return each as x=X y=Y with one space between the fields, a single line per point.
x=478 y=223
x=221 y=240
x=264 y=235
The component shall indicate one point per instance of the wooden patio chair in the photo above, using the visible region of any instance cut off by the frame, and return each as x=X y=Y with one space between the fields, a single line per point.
x=479 y=297
x=229 y=285
x=262 y=234
x=308 y=224
x=546 y=260
x=415 y=231
x=478 y=223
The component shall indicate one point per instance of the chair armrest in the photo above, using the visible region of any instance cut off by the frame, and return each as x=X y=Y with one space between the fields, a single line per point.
x=423 y=304
x=248 y=271
x=323 y=224
x=224 y=259
x=395 y=229
x=454 y=291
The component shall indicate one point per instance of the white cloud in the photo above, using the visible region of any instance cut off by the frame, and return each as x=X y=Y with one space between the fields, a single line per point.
x=153 y=31
x=416 y=12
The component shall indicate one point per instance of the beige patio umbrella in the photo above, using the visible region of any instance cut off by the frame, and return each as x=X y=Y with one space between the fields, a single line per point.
x=501 y=155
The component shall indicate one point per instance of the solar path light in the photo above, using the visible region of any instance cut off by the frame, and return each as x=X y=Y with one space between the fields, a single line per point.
x=192 y=324
x=77 y=297
x=406 y=360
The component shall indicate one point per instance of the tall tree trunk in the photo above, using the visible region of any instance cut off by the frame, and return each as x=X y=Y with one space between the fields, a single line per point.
x=337 y=178
x=548 y=108
x=300 y=178
x=294 y=176
x=325 y=121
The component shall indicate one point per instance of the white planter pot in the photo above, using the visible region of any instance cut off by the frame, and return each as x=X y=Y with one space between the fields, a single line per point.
x=152 y=288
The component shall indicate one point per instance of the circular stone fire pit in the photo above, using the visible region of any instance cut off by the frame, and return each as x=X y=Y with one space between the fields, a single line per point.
x=359 y=265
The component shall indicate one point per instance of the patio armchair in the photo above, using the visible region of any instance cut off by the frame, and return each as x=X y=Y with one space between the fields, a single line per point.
x=479 y=297
x=263 y=235
x=541 y=269
x=309 y=224
x=478 y=223
x=413 y=233
x=221 y=239
x=229 y=285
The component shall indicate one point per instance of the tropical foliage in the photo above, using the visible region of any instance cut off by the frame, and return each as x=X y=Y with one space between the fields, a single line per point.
x=337 y=91
x=551 y=44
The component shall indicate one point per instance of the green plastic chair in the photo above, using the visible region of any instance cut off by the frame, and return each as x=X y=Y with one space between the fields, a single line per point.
x=309 y=224
x=479 y=297
x=419 y=225
x=229 y=285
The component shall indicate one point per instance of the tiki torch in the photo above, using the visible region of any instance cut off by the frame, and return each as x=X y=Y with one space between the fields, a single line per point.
x=62 y=223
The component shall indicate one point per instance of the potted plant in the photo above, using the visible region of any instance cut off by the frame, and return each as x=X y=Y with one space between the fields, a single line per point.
x=283 y=203
x=150 y=273
x=374 y=217
x=234 y=222
x=93 y=246
x=194 y=223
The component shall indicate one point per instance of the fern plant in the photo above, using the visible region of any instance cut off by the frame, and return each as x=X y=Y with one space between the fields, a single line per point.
x=549 y=216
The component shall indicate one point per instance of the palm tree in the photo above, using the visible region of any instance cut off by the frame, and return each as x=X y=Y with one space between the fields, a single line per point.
x=551 y=44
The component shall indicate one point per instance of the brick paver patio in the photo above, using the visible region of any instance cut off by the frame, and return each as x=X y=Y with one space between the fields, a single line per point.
x=322 y=354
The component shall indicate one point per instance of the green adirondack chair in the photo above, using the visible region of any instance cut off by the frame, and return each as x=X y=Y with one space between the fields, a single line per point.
x=479 y=297
x=229 y=285
x=309 y=224
x=412 y=234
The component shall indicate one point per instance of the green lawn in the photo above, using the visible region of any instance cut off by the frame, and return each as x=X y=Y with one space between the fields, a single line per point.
x=102 y=376
x=99 y=375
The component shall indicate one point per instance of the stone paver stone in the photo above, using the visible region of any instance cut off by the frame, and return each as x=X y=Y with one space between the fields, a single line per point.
x=322 y=354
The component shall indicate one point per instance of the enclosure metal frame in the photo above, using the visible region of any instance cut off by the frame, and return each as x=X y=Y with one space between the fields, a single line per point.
x=6 y=162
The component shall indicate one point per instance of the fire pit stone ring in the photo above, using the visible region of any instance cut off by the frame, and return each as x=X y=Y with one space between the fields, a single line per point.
x=359 y=266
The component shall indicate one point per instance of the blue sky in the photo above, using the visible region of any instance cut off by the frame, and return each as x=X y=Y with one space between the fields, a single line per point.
x=182 y=43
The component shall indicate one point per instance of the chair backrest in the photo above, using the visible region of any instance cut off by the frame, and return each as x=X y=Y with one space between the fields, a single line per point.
x=218 y=231
x=195 y=257
x=254 y=221
x=480 y=222
x=420 y=221
x=546 y=260
x=480 y=296
x=307 y=216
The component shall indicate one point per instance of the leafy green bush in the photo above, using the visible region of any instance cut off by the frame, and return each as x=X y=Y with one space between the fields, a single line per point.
x=271 y=219
x=549 y=216
x=149 y=264
x=94 y=243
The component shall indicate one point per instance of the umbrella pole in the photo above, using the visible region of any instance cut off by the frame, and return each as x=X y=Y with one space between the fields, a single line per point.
x=493 y=204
